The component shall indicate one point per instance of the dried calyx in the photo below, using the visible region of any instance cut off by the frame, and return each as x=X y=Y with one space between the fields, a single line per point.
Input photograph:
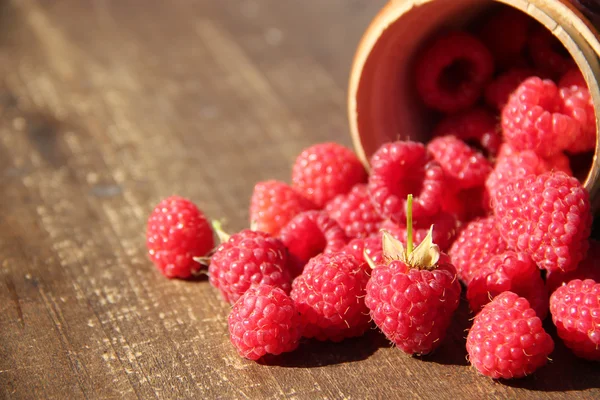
x=424 y=256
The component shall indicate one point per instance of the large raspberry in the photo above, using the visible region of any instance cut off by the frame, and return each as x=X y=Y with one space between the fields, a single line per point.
x=532 y=119
x=400 y=168
x=575 y=309
x=507 y=339
x=452 y=71
x=505 y=34
x=547 y=216
x=499 y=90
x=354 y=212
x=326 y=170
x=588 y=268
x=413 y=295
x=476 y=125
x=264 y=321
x=509 y=271
x=577 y=104
x=246 y=258
x=274 y=204
x=176 y=232
x=309 y=234
x=329 y=295
x=463 y=166
x=547 y=53
x=475 y=244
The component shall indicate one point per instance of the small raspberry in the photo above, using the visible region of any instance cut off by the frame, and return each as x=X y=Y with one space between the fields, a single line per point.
x=531 y=119
x=577 y=104
x=475 y=126
x=548 y=53
x=445 y=229
x=475 y=244
x=463 y=166
x=505 y=34
x=264 y=321
x=509 y=271
x=452 y=71
x=176 y=232
x=326 y=170
x=354 y=212
x=499 y=90
x=573 y=77
x=547 y=216
x=588 y=268
x=274 y=204
x=400 y=168
x=329 y=294
x=247 y=258
x=413 y=294
x=309 y=234
x=575 y=309
x=507 y=339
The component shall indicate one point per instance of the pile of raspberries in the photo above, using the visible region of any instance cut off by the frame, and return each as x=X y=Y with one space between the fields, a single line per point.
x=488 y=208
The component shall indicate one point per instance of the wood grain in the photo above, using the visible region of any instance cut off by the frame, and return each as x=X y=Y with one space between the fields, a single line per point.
x=108 y=106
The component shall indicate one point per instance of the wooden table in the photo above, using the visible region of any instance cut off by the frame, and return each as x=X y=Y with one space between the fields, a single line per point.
x=108 y=106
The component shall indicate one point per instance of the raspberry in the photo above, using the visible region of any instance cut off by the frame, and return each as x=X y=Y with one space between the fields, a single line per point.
x=445 y=227
x=519 y=164
x=478 y=126
x=548 y=53
x=274 y=204
x=475 y=244
x=531 y=119
x=573 y=77
x=354 y=212
x=329 y=295
x=264 y=321
x=370 y=245
x=309 y=234
x=247 y=258
x=400 y=168
x=326 y=170
x=499 y=90
x=575 y=309
x=452 y=71
x=507 y=339
x=509 y=271
x=588 y=268
x=467 y=204
x=176 y=232
x=577 y=104
x=505 y=34
x=547 y=216
x=463 y=166
x=413 y=295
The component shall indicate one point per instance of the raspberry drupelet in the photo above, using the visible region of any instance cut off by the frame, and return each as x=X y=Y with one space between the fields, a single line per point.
x=355 y=213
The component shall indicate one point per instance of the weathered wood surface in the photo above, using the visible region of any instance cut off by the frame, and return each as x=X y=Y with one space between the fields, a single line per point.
x=108 y=106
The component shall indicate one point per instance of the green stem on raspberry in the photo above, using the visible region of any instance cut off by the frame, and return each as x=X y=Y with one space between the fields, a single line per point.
x=218 y=228
x=409 y=224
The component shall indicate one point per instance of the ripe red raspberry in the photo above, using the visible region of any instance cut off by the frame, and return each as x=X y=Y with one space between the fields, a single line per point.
x=573 y=77
x=326 y=170
x=505 y=34
x=309 y=234
x=413 y=295
x=274 y=204
x=176 y=232
x=577 y=104
x=247 y=258
x=588 y=268
x=354 y=212
x=547 y=216
x=467 y=204
x=329 y=294
x=463 y=166
x=575 y=309
x=499 y=90
x=518 y=164
x=476 y=243
x=509 y=271
x=452 y=71
x=548 y=53
x=476 y=125
x=445 y=229
x=264 y=321
x=400 y=168
x=370 y=245
x=532 y=119
x=507 y=339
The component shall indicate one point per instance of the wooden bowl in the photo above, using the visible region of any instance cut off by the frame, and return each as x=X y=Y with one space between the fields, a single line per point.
x=382 y=103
